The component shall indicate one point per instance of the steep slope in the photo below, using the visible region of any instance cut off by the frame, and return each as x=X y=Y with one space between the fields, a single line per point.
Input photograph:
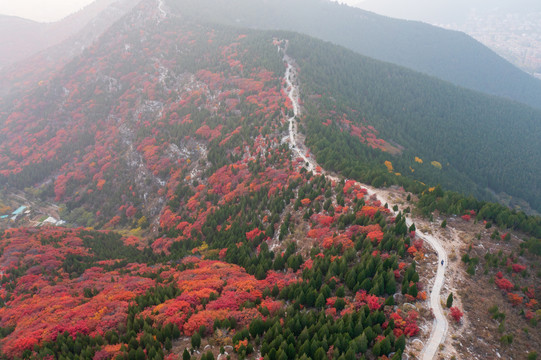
x=440 y=325
x=249 y=253
x=478 y=142
x=466 y=140
x=97 y=124
x=188 y=139
x=448 y=55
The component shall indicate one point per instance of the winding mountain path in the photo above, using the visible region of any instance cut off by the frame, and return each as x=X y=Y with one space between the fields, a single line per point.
x=439 y=328
x=160 y=7
x=440 y=325
x=293 y=94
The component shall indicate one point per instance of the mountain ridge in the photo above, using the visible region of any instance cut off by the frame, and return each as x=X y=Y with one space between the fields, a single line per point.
x=448 y=55
x=55 y=43
x=372 y=106
x=43 y=35
x=182 y=142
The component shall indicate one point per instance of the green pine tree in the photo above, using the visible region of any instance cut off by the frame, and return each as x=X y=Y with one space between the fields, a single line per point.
x=449 y=300
x=196 y=340
x=186 y=355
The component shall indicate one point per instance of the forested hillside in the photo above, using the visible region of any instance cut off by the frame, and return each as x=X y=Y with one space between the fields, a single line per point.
x=460 y=139
x=442 y=134
x=448 y=55
x=177 y=127
x=194 y=229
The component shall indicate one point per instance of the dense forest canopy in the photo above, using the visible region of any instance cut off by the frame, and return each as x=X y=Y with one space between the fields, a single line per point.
x=479 y=142
x=210 y=270
x=170 y=137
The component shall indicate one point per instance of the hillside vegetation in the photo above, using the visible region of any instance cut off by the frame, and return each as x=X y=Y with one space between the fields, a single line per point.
x=192 y=219
x=479 y=142
x=178 y=127
x=448 y=55
x=427 y=129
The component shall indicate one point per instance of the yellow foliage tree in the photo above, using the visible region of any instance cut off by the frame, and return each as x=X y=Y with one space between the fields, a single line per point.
x=142 y=221
x=418 y=160
x=436 y=164
x=389 y=166
x=203 y=246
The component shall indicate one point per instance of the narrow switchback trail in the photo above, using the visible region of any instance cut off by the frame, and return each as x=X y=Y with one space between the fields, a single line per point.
x=160 y=7
x=440 y=324
x=439 y=327
x=293 y=93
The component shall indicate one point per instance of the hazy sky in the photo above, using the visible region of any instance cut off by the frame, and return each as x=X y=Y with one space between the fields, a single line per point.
x=41 y=10
x=443 y=11
x=432 y=11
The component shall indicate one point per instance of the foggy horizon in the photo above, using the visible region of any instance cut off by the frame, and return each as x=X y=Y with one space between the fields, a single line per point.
x=34 y=10
x=442 y=11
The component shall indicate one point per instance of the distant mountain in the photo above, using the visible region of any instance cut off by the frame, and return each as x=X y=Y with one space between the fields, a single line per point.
x=19 y=38
x=448 y=55
x=464 y=140
x=31 y=51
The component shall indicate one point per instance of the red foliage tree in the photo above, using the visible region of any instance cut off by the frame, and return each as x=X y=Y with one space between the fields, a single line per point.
x=456 y=314
x=337 y=241
x=251 y=235
x=518 y=268
x=374 y=302
x=376 y=235
x=504 y=284
x=515 y=299
x=325 y=220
